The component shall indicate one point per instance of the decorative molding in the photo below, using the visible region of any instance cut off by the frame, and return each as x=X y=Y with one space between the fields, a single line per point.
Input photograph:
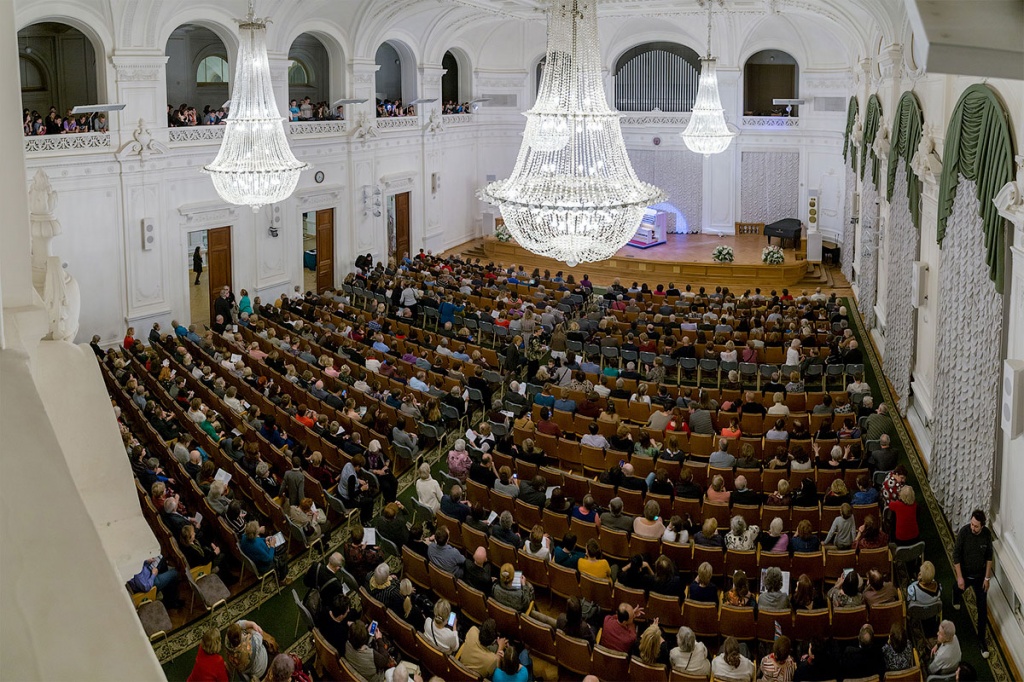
x=457 y=119
x=927 y=164
x=301 y=128
x=882 y=144
x=59 y=143
x=398 y=123
x=142 y=144
x=1009 y=201
x=139 y=68
x=771 y=122
x=213 y=214
x=434 y=124
x=195 y=134
x=655 y=118
x=398 y=182
x=320 y=197
x=365 y=128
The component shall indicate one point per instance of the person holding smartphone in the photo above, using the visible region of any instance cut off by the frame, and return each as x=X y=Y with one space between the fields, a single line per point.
x=440 y=630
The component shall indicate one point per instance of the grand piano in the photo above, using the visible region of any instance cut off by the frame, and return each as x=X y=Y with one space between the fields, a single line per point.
x=785 y=229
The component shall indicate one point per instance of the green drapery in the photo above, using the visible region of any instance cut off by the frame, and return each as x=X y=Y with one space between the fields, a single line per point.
x=906 y=136
x=979 y=147
x=848 y=145
x=872 y=119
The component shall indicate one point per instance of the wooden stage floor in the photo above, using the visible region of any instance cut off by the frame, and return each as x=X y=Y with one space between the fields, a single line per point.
x=683 y=259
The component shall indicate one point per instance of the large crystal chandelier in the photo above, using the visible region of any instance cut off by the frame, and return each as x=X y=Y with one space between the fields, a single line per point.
x=254 y=166
x=572 y=195
x=707 y=132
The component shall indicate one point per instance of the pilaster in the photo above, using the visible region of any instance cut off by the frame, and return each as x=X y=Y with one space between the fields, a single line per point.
x=140 y=82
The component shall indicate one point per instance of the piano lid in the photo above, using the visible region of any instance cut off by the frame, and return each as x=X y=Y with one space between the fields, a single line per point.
x=785 y=224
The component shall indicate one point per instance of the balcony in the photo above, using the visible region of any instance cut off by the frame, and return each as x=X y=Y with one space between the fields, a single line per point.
x=398 y=123
x=660 y=119
x=49 y=144
x=195 y=135
x=316 y=128
x=770 y=122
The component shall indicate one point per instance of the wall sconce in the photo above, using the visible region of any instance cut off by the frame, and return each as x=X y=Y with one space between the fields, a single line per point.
x=371 y=201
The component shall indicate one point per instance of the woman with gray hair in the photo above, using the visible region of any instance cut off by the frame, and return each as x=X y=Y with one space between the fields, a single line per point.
x=504 y=530
x=384 y=587
x=439 y=631
x=217 y=498
x=740 y=536
x=428 y=491
x=773 y=598
x=459 y=461
x=689 y=656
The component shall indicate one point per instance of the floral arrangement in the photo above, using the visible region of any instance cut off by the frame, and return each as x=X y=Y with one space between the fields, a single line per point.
x=722 y=254
x=501 y=233
x=773 y=255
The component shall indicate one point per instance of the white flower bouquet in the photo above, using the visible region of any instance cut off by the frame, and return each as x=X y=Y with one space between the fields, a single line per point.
x=773 y=255
x=723 y=254
x=501 y=233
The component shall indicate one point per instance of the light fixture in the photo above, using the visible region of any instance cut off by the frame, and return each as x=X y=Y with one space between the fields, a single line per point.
x=254 y=166
x=707 y=132
x=572 y=195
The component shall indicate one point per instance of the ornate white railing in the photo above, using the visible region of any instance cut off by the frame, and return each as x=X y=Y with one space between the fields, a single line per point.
x=69 y=142
x=456 y=119
x=655 y=118
x=771 y=122
x=398 y=123
x=317 y=128
x=195 y=134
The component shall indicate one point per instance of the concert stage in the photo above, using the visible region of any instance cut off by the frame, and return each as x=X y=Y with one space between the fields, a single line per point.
x=683 y=259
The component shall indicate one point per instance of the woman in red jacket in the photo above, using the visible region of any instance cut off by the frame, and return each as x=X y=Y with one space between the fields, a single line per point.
x=905 y=511
x=129 y=339
x=209 y=663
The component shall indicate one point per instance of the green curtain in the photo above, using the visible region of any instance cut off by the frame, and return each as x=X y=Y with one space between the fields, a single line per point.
x=872 y=119
x=906 y=136
x=848 y=146
x=979 y=147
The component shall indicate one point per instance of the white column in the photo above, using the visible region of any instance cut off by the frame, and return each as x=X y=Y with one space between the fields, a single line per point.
x=16 y=253
x=279 y=79
x=141 y=85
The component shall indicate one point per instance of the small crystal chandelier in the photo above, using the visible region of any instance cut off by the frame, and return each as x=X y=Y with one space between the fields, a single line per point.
x=707 y=133
x=572 y=195
x=255 y=165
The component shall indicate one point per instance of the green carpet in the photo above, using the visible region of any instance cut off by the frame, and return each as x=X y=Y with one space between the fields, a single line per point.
x=935 y=529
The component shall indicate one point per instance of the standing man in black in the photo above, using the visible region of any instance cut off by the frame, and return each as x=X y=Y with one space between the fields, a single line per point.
x=972 y=563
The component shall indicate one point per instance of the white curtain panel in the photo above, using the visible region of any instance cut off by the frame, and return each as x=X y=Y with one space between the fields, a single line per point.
x=680 y=174
x=769 y=186
x=967 y=366
x=867 y=274
x=900 y=319
x=849 y=233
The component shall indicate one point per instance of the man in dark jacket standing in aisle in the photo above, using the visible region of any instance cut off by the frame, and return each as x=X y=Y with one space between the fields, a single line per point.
x=972 y=563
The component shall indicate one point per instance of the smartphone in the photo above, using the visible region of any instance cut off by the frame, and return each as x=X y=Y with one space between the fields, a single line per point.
x=451 y=620
x=622 y=462
x=515 y=476
x=373 y=629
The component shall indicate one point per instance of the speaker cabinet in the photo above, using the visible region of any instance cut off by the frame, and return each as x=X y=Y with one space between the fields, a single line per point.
x=148 y=234
x=813 y=209
x=1011 y=411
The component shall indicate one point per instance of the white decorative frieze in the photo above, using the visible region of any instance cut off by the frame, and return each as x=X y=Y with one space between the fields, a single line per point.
x=320 y=197
x=398 y=123
x=141 y=145
x=317 y=128
x=457 y=119
x=655 y=118
x=72 y=141
x=214 y=214
x=195 y=134
x=1009 y=201
x=398 y=182
x=771 y=122
x=927 y=164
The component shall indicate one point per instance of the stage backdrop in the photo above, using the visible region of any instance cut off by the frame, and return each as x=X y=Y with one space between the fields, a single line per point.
x=769 y=186
x=681 y=175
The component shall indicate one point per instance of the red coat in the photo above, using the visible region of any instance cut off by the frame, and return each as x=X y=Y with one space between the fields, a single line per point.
x=208 y=668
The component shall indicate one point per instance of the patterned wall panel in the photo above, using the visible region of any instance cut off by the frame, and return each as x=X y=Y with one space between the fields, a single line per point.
x=900 y=331
x=967 y=366
x=867 y=274
x=769 y=186
x=849 y=233
x=680 y=174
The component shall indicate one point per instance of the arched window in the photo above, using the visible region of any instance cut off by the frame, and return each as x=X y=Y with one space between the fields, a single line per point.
x=769 y=75
x=298 y=74
x=212 y=70
x=657 y=76
x=32 y=76
x=389 y=75
x=450 y=80
x=540 y=73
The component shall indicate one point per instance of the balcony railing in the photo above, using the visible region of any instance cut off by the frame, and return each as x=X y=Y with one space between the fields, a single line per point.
x=398 y=123
x=69 y=142
x=771 y=122
x=456 y=119
x=191 y=134
x=316 y=128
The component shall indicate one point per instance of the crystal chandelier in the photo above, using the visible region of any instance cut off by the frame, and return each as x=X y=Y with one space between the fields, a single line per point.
x=572 y=195
x=707 y=133
x=254 y=166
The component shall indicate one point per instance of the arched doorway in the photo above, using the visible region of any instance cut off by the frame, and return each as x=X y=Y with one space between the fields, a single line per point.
x=769 y=75
x=198 y=71
x=57 y=66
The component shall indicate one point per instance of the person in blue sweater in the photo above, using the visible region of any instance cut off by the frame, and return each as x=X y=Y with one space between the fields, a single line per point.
x=264 y=552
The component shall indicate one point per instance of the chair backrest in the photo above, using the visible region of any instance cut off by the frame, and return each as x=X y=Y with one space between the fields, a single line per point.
x=573 y=653
x=472 y=601
x=537 y=637
x=701 y=617
x=415 y=568
x=432 y=658
x=676 y=676
x=535 y=570
x=767 y=619
x=563 y=581
x=506 y=619
x=878 y=558
x=738 y=622
x=810 y=624
x=883 y=616
x=712 y=555
x=443 y=583
x=846 y=622
x=908 y=675
x=304 y=613
x=403 y=633
x=638 y=670
x=613 y=665
x=327 y=656
x=598 y=591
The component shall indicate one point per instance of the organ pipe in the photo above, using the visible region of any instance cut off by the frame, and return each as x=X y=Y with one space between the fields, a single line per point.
x=656 y=79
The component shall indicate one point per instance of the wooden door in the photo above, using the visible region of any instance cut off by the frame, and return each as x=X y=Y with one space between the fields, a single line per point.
x=402 y=224
x=218 y=261
x=324 y=250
